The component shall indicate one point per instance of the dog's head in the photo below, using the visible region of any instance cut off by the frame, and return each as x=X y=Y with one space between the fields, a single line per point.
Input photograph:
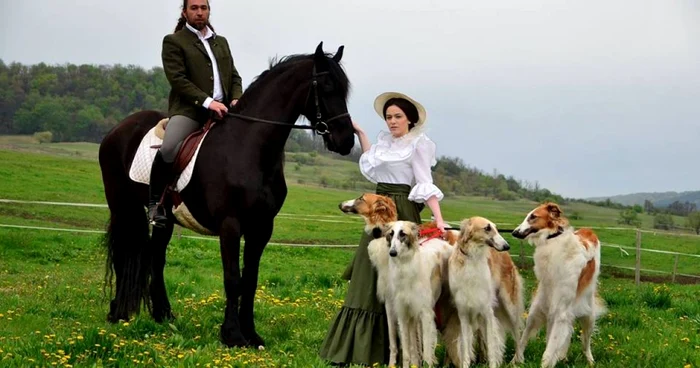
x=377 y=210
x=544 y=220
x=479 y=231
x=402 y=238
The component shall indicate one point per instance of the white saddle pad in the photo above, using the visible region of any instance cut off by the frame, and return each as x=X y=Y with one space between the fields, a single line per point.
x=140 y=170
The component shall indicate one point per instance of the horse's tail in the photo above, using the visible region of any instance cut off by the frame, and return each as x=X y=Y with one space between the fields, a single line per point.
x=129 y=259
x=127 y=237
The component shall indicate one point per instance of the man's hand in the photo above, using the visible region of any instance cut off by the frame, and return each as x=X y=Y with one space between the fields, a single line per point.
x=219 y=108
x=234 y=102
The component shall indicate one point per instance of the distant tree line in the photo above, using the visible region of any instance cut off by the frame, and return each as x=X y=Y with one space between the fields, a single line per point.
x=82 y=102
x=75 y=102
x=451 y=174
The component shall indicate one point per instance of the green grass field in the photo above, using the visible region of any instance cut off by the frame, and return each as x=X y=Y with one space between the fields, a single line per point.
x=52 y=307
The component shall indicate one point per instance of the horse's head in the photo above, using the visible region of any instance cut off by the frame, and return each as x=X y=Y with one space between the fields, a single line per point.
x=326 y=107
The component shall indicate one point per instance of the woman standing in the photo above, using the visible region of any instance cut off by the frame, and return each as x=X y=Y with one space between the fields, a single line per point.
x=399 y=163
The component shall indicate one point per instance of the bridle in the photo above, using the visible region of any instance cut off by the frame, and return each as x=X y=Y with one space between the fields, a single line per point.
x=319 y=126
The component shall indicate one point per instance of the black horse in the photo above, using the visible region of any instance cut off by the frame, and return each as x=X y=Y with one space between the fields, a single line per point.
x=236 y=190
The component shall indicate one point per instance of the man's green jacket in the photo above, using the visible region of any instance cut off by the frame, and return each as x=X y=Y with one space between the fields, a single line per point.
x=189 y=71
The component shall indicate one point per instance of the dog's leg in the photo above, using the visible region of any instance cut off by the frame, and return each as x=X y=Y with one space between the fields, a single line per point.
x=429 y=336
x=406 y=346
x=509 y=317
x=587 y=325
x=392 y=324
x=494 y=342
x=414 y=342
x=561 y=330
x=535 y=319
x=466 y=339
x=418 y=341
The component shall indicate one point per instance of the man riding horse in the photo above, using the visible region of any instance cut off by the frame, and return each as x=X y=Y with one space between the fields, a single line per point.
x=203 y=80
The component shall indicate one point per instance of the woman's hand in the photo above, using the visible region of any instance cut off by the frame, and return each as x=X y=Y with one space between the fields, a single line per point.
x=364 y=142
x=357 y=128
x=441 y=225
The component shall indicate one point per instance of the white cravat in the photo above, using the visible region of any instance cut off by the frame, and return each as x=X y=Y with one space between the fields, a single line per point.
x=218 y=92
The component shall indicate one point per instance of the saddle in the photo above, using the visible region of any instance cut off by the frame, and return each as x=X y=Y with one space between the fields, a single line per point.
x=188 y=146
x=184 y=155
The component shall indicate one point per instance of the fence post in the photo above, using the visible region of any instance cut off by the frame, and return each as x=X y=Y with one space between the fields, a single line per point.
x=638 y=266
x=522 y=255
x=675 y=268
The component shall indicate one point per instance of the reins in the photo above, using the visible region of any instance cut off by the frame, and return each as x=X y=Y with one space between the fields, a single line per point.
x=319 y=123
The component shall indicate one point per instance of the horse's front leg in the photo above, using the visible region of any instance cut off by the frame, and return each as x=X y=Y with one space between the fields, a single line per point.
x=230 y=241
x=159 y=296
x=255 y=242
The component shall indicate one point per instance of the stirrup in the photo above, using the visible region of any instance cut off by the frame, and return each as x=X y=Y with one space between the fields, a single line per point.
x=157 y=216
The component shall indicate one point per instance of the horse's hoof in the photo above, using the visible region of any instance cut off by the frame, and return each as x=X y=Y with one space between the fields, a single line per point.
x=113 y=316
x=233 y=338
x=254 y=340
x=163 y=316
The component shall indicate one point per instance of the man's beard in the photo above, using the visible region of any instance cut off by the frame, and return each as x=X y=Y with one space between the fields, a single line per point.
x=198 y=24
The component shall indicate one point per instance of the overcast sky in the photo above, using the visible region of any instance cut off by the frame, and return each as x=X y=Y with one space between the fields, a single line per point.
x=589 y=98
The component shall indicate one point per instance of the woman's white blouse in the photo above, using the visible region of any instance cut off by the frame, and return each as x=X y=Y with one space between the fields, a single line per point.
x=403 y=160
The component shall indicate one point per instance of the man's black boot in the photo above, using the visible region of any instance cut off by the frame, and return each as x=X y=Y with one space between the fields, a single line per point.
x=161 y=176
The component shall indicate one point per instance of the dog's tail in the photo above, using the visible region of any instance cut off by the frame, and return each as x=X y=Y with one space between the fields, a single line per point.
x=599 y=306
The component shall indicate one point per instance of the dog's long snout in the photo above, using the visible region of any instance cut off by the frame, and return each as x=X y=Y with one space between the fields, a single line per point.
x=393 y=253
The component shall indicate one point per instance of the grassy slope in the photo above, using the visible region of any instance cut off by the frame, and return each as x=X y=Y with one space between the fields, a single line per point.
x=32 y=173
x=52 y=308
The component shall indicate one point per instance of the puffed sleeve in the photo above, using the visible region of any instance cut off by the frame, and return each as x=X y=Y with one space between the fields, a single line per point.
x=423 y=159
x=368 y=165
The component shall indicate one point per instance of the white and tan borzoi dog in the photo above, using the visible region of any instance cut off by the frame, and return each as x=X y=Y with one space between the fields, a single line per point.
x=415 y=281
x=567 y=264
x=486 y=289
x=379 y=212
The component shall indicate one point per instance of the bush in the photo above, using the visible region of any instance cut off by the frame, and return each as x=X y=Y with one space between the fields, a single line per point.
x=43 y=137
x=663 y=221
x=629 y=217
x=506 y=195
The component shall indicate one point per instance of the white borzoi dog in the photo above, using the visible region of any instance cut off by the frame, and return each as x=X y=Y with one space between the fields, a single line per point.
x=567 y=265
x=486 y=289
x=379 y=212
x=415 y=282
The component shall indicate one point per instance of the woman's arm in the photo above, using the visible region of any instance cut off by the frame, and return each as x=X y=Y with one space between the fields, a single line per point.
x=434 y=205
x=424 y=190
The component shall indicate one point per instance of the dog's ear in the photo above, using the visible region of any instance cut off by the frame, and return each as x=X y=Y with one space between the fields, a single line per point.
x=377 y=232
x=387 y=231
x=465 y=230
x=415 y=231
x=384 y=210
x=554 y=210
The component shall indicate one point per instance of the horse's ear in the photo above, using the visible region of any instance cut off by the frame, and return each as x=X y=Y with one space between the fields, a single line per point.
x=319 y=50
x=339 y=55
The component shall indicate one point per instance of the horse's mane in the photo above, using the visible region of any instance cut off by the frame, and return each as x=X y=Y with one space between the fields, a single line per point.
x=279 y=66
